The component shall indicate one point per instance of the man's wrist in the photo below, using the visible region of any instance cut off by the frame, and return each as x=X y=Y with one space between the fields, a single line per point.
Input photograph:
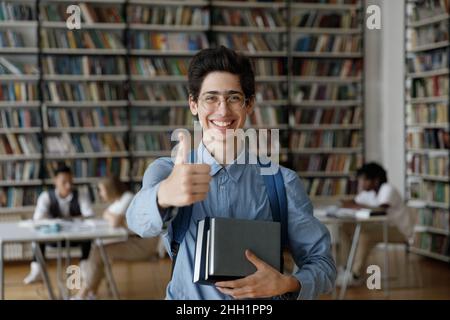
x=161 y=205
x=291 y=284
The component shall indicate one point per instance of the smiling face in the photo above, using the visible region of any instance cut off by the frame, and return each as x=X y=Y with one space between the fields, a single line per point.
x=218 y=123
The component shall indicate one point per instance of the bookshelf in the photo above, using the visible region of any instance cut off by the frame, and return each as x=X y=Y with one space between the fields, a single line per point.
x=326 y=96
x=427 y=125
x=107 y=97
x=84 y=88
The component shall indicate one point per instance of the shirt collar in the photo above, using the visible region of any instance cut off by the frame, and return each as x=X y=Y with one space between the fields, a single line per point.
x=66 y=199
x=234 y=169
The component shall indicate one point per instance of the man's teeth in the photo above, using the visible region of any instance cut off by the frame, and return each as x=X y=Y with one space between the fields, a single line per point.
x=222 y=123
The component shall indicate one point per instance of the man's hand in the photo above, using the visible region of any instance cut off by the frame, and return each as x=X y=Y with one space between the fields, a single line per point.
x=266 y=282
x=187 y=183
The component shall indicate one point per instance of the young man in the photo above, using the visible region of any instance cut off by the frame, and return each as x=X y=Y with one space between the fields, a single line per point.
x=375 y=193
x=222 y=95
x=61 y=202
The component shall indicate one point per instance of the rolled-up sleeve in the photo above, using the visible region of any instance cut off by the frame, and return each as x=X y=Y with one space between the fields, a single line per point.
x=309 y=241
x=143 y=215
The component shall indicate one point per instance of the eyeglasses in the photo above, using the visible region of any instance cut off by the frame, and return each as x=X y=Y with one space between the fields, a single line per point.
x=211 y=101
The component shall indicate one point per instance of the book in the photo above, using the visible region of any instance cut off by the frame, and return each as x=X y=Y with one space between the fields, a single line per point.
x=428 y=164
x=88 y=118
x=14 y=197
x=316 y=187
x=165 y=41
x=83 y=65
x=221 y=244
x=90 y=13
x=254 y=17
x=17 y=11
x=20 y=170
x=168 y=15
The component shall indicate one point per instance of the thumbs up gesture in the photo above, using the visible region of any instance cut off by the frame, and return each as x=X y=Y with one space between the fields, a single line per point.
x=187 y=183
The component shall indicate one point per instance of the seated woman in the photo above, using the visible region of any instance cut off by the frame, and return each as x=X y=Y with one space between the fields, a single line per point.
x=114 y=192
x=375 y=193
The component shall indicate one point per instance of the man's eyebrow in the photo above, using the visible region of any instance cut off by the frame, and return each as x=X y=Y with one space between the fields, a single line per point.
x=223 y=92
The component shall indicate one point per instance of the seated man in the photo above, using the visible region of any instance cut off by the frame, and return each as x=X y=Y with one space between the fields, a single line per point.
x=376 y=193
x=61 y=202
x=223 y=184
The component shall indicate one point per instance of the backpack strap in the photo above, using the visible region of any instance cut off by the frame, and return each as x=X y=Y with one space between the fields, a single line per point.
x=276 y=193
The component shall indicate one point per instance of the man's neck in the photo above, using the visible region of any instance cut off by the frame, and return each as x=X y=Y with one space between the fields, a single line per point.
x=225 y=152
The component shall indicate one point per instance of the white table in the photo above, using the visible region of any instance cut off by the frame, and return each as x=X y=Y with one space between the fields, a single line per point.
x=93 y=229
x=358 y=222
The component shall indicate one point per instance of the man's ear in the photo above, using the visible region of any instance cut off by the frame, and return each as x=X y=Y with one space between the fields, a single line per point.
x=250 y=105
x=193 y=105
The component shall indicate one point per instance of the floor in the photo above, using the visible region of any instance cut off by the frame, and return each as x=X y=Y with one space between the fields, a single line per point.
x=411 y=277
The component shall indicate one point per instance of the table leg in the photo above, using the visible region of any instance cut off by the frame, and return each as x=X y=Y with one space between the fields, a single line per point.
x=61 y=286
x=44 y=273
x=2 y=274
x=351 y=256
x=386 y=258
x=108 y=272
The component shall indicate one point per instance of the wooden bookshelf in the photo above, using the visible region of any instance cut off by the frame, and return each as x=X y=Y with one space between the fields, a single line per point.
x=20 y=114
x=312 y=68
x=427 y=109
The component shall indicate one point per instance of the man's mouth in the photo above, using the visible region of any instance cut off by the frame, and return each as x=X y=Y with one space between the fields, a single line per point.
x=222 y=125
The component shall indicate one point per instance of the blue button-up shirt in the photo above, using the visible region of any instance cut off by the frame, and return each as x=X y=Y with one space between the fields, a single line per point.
x=236 y=191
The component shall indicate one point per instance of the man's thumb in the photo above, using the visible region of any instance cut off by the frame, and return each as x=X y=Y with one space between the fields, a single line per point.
x=183 y=149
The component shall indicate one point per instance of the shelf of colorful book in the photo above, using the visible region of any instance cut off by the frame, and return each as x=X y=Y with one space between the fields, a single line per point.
x=325 y=174
x=311 y=54
x=86 y=104
x=427 y=100
x=87 y=180
x=17 y=183
x=327 y=103
x=325 y=150
x=426 y=74
x=156 y=53
x=17 y=210
x=325 y=6
x=429 y=47
x=85 y=25
x=188 y=3
x=415 y=203
x=19 y=157
x=419 y=228
x=20 y=130
x=18 y=24
x=84 y=78
x=428 y=21
x=429 y=125
x=430 y=254
x=430 y=177
x=249 y=4
x=443 y=152
x=67 y=51
x=87 y=129
x=49 y=156
x=166 y=27
x=21 y=78
x=339 y=31
x=248 y=29
x=324 y=79
x=326 y=126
